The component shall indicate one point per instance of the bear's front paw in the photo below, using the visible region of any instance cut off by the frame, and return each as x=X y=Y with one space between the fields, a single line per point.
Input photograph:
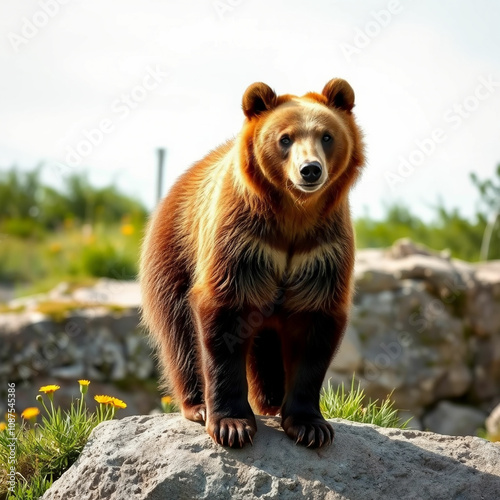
x=311 y=431
x=232 y=432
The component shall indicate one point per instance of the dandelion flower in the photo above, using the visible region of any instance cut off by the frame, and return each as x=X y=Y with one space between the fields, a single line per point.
x=55 y=247
x=118 y=403
x=167 y=404
x=30 y=413
x=49 y=389
x=104 y=400
x=127 y=229
x=3 y=426
x=84 y=386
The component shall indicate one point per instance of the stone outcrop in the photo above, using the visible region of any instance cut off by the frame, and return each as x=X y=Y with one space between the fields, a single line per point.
x=453 y=419
x=66 y=335
x=426 y=327
x=167 y=457
x=493 y=424
x=423 y=325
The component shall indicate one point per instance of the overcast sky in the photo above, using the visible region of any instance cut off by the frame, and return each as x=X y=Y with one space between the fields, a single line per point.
x=171 y=74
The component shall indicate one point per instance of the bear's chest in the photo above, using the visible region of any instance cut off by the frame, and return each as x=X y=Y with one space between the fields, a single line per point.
x=312 y=278
x=304 y=281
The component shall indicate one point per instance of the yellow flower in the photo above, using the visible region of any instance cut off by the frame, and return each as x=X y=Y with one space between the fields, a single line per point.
x=55 y=247
x=118 y=403
x=69 y=223
x=30 y=412
x=3 y=426
x=104 y=400
x=90 y=239
x=109 y=400
x=167 y=404
x=49 y=389
x=84 y=386
x=127 y=229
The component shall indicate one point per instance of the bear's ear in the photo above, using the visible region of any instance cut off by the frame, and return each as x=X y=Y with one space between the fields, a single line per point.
x=258 y=98
x=339 y=94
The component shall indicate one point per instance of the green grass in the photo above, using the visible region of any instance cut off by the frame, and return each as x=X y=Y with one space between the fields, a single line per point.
x=71 y=254
x=352 y=405
x=44 y=451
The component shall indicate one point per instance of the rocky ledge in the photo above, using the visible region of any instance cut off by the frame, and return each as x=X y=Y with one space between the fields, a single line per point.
x=167 y=457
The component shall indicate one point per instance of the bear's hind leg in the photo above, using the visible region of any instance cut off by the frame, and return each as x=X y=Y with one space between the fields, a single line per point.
x=179 y=359
x=265 y=372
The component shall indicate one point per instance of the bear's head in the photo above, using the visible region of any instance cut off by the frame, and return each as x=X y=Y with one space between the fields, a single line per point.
x=308 y=147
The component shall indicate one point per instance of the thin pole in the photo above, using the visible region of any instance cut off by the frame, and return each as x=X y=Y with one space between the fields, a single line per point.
x=161 y=159
x=488 y=232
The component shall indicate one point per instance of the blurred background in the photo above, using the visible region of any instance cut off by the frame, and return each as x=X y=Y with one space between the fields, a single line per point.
x=91 y=91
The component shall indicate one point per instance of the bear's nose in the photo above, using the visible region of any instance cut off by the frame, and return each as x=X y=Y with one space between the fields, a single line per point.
x=311 y=172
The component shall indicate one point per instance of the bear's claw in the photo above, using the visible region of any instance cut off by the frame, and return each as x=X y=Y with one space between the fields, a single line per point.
x=312 y=432
x=232 y=432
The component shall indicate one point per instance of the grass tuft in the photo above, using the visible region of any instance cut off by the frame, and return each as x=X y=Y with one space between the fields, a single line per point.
x=42 y=452
x=351 y=405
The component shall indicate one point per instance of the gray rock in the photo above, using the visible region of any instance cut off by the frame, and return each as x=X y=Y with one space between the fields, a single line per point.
x=412 y=344
x=348 y=358
x=405 y=247
x=483 y=301
x=454 y=420
x=167 y=457
x=486 y=367
x=493 y=424
x=374 y=280
x=73 y=372
x=109 y=291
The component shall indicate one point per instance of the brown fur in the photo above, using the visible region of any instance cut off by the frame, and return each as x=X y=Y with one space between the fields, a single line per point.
x=246 y=277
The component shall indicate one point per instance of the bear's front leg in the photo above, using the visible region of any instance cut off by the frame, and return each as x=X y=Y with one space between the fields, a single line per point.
x=312 y=339
x=230 y=420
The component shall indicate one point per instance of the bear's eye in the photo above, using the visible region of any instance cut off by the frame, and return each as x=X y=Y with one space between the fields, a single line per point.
x=285 y=140
x=326 y=138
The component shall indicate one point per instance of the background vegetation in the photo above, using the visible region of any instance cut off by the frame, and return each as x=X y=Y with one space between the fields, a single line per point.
x=447 y=230
x=74 y=233
x=79 y=231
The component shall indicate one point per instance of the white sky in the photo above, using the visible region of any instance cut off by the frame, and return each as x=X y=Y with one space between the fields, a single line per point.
x=428 y=58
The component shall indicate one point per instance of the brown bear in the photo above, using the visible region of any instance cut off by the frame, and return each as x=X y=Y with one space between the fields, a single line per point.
x=246 y=267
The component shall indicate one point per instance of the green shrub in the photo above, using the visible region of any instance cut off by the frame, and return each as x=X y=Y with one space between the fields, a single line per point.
x=28 y=206
x=22 y=227
x=105 y=261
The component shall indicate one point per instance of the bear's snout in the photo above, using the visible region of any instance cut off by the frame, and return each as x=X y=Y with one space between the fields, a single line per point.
x=311 y=172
